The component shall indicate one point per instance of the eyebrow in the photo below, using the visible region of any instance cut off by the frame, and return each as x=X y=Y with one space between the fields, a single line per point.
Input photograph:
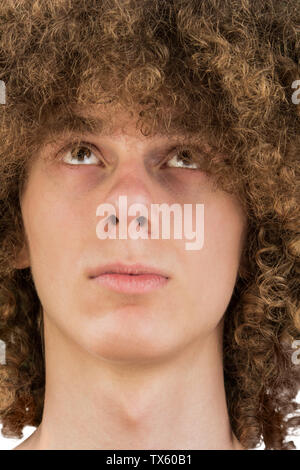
x=62 y=124
x=75 y=126
x=72 y=124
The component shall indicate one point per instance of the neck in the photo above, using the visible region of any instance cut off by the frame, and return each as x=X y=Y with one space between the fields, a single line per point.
x=93 y=403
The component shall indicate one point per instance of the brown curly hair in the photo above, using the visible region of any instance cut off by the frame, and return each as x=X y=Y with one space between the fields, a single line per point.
x=219 y=70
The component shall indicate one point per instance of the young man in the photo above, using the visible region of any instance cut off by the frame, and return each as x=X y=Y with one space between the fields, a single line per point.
x=140 y=343
x=129 y=369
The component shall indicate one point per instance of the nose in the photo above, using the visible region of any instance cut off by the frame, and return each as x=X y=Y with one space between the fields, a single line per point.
x=131 y=191
x=140 y=220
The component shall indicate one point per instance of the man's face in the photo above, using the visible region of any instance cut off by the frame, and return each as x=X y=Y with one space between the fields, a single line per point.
x=59 y=213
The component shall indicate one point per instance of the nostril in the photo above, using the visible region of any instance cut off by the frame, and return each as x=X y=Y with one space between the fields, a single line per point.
x=141 y=220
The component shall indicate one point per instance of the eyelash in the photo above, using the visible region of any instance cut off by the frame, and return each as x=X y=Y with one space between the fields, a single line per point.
x=182 y=150
x=77 y=146
x=176 y=151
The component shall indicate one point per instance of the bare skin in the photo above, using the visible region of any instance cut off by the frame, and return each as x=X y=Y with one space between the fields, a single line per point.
x=141 y=371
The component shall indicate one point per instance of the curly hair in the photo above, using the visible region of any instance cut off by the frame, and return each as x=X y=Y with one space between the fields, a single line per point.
x=218 y=70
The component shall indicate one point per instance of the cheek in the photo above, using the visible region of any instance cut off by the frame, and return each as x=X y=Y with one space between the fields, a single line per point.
x=213 y=269
x=225 y=226
x=53 y=205
x=55 y=225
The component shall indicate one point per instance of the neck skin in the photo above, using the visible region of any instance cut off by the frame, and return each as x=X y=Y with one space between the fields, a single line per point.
x=91 y=403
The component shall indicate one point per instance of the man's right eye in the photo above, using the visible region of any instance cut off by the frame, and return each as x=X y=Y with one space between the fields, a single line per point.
x=81 y=154
x=183 y=159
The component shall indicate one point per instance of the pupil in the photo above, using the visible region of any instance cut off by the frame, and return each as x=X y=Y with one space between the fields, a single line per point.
x=185 y=158
x=80 y=153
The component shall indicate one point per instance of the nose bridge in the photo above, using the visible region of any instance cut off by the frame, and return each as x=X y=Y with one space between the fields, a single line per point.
x=131 y=179
x=130 y=188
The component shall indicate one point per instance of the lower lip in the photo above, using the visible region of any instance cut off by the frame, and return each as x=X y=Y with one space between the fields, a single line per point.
x=131 y=284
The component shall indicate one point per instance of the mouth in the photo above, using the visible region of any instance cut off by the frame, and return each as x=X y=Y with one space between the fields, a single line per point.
x=130 y=279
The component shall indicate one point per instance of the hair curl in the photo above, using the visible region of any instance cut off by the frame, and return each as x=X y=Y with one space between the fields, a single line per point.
x=220 y=70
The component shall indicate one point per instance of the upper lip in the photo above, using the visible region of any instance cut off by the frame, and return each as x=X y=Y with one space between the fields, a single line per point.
x=121 y=268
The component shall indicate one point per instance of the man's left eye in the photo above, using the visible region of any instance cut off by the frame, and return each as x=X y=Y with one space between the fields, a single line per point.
x=81 y=154
x=183 y=159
